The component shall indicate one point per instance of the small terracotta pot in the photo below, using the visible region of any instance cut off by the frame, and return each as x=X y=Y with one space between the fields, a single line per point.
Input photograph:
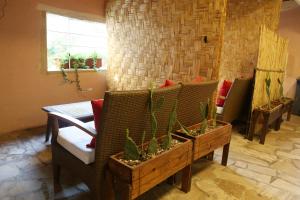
x=89 y=62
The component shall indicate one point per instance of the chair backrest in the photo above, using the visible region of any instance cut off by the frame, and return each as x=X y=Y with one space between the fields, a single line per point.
x=190 y=96
x=236 y=99
x=129 y=109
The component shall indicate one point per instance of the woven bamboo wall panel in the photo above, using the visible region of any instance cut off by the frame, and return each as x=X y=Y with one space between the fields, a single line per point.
x=241 y=35
x=273 y=55
x=154 y=40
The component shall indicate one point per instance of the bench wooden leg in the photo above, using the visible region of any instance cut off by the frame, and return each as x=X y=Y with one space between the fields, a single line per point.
x=186 y=179
x=264 y=133
x=210 y=156
x=172 y=180
x=225 y=154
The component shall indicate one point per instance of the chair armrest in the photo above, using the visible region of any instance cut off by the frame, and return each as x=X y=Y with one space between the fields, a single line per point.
x=75 y=122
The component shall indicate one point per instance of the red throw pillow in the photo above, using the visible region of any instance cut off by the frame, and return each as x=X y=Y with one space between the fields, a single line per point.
x=97 y=106
x=167 y=84
x=198 y=79
x=223 y=92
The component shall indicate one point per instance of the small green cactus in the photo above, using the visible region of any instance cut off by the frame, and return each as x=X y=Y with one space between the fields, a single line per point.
x=131 y=150
x=204 y=116
x=214 y=116
x=268 y=89
x=280 y=88
x=172 y=121
x=154 y=107
x=183 y=128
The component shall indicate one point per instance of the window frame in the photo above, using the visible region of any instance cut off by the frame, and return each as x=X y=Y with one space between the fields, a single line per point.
x=66 y=13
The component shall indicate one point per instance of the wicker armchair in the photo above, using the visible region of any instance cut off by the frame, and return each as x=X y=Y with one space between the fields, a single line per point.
x=121 y=110
x=236 y=102
x=189 y=99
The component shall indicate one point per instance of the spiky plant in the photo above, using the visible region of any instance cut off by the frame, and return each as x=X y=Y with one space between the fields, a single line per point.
x=131 y=150
x=172 y=121
x=203 y=115
x=214 y=116
x=280 y=88
x=154 y=107
x=268 y=89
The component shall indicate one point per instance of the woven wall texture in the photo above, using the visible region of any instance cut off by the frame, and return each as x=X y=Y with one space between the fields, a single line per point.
x=154 y=40
x=241 y=35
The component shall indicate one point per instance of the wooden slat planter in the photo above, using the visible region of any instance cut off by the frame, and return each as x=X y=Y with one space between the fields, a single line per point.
x=132 y=181
x=213 y=139
x=273 y=116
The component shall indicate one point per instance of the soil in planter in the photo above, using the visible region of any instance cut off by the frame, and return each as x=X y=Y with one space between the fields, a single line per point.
x=197 y=131
x=145 y=156
x=274 y=104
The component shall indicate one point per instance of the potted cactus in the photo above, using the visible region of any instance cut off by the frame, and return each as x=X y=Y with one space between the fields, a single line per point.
x=208 y=135
x=154 y=160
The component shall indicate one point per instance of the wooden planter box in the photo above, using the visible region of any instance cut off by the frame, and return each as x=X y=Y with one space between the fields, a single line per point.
x=270 y=117
x=135 y=180
x=213 y=139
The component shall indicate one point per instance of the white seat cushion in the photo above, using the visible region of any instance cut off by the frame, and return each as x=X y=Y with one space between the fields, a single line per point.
x=219 y=110
x=75 y=140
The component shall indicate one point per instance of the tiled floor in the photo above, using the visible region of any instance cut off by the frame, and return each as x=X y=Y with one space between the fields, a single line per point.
x=270 y=171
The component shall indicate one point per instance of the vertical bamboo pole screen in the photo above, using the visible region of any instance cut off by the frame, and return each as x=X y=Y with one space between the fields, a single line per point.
x=272 y=60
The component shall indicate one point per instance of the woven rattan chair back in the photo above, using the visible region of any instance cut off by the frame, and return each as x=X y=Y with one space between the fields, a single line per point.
x=129 y=109
x=189 y=99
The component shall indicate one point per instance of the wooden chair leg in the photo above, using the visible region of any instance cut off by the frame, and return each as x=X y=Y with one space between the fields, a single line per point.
x=225 y=154
x=210 y=156
x=48 y=129
x=186 y=179
x=56 y=178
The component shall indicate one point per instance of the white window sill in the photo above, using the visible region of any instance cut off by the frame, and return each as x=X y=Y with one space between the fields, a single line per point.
x=102 y=69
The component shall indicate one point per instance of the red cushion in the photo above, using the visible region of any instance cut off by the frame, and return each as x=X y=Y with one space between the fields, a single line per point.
x=198 y=79
x=167 y=84
x=223 y=92
x=97 y=106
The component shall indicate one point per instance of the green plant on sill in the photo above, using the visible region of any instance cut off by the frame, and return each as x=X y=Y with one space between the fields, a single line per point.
x=280 y=89
x=76 y=62
x=268 y=89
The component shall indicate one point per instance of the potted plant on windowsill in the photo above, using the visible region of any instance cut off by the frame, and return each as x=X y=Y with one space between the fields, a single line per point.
x=143 y=167
x=94 y=61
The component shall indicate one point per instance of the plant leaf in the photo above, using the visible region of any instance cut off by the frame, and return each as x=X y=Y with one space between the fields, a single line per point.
x=159 y=103
x=183 y=128
x=153 y=146
x=131 y=150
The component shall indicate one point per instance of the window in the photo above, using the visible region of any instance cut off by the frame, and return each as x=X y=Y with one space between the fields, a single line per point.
x=74 y=43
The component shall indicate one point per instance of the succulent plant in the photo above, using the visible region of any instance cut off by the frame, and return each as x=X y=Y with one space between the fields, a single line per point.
x=268 y=87
x=204 y=116
x=172 y=121
x=214 y=116
x=280 y=88
x=131 y=150
x=154 y=107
